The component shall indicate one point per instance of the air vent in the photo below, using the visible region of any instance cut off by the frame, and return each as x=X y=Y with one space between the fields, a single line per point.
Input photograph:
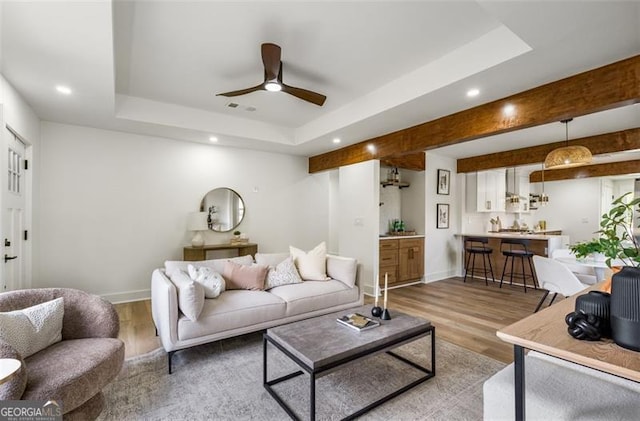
x=250 y=109
x=232 y=105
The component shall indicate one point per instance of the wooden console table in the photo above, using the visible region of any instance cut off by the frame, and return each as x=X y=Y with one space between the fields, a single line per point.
x=191 y=253
x=546 y=332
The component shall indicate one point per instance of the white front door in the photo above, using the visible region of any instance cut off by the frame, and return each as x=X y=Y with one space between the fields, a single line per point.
x=13 y=212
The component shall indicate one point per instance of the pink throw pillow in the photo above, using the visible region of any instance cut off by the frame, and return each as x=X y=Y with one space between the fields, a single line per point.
x=244 y=277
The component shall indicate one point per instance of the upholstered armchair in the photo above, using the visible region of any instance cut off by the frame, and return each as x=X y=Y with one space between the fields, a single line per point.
x=74 y=370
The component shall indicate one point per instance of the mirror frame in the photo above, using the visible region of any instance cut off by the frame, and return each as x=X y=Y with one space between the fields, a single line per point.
x=205 y=208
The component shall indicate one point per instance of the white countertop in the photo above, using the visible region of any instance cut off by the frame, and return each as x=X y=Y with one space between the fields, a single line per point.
x=510 y=235
x=395 y=237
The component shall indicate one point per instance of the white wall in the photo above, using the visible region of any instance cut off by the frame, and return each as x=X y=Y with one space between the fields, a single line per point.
x=442 y=248
x=359 y=217
x=574 y=207
x=114 y=205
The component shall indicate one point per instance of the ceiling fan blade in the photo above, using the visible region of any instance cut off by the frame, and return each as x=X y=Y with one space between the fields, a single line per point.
x=243 y=91
x=304 y=94
x=271 y=59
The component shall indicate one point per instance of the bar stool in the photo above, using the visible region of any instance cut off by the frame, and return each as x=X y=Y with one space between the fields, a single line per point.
x=474 y=246
x=517 y=248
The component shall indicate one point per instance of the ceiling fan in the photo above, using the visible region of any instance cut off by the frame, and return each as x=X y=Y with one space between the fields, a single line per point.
x=273 y=79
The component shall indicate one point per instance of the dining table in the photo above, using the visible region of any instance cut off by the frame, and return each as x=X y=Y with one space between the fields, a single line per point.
x=600 y=267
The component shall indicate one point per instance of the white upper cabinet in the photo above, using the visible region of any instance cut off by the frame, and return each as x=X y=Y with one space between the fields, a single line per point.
x=486 y=191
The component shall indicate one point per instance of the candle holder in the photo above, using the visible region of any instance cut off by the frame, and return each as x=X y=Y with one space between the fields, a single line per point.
x=385 y=315
x=376 y=311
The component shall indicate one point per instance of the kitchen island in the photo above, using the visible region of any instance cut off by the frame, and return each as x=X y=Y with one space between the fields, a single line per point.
x=539 y=244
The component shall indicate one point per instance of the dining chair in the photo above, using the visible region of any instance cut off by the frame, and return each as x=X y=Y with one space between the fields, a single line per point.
x=585 y=274
x=557 y=278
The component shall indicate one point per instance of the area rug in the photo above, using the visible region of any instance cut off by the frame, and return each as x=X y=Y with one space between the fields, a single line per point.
x=223 y=381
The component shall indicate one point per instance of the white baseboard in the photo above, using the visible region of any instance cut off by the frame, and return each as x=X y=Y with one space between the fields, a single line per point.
x=439 y=276
x=127 y=296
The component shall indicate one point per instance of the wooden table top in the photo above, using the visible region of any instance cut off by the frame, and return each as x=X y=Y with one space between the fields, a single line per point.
x=546 y=332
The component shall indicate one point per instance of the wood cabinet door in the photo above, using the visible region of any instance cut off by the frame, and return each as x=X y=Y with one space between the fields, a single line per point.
x=411 y=265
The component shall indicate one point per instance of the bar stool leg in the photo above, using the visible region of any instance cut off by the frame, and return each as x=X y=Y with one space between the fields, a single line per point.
x=493 y=278
x=513 y=259
x=484 y=267
x=533 y=274
x=504 y=269
x=466 y=267
x=524 y=274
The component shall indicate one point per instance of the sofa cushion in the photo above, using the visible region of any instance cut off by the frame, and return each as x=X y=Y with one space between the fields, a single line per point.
x=232 y=310
x=271 y=259
x=33 y=328
x=217 y=265
x=244 y=277
x=344 y=269
x=285 y=273
x=315 y=295
x=73 y=371
x=311 y=265
x=190 y=294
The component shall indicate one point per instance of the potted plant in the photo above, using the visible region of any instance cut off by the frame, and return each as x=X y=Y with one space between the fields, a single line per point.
x=619 y=245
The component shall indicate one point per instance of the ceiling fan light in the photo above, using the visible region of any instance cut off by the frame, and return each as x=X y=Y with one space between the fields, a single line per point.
x=568 y=156
x=273 y=86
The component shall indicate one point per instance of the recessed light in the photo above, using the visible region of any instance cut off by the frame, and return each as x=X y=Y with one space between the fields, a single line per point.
x=336 y=140
x=371 y=148
x=509 y=109
x=213 y=139
x=473 y=92
x=65 y=90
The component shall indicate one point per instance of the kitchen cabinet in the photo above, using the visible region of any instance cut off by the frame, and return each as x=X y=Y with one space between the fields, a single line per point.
x=402 y=259
x=486 y=191
x=518 y=184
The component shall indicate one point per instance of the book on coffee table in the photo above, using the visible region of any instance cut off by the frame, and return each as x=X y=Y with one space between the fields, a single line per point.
x=357 y=321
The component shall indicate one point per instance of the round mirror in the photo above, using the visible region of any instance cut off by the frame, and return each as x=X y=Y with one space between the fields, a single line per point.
x=225 y=209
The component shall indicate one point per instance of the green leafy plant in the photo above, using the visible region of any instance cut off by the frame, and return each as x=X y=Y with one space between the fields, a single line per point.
x=616 y=241
x=587 y=248
x=237 y=233
x=616 y=232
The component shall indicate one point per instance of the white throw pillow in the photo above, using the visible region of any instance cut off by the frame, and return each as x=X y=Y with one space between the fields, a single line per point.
x=190 y=294
x=312 y=266
x=212 y=282
x=284 y=273
x=32 y=329
x=343 y=269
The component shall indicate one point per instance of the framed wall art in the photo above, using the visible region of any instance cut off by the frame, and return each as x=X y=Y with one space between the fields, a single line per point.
x=442 y=215
x=444 y=178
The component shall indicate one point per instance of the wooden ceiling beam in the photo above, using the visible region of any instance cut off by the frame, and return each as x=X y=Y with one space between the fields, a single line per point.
x=623 y=140
x=415 y=161
x=607 y=87
x=586 y=171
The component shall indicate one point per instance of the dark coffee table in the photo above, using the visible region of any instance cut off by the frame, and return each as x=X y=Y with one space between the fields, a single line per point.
x=320 y=345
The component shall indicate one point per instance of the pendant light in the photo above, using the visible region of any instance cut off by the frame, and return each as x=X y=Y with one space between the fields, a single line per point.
x=544 y=199
x=568 y=156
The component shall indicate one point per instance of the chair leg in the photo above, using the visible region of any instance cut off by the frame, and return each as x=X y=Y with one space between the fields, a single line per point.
x=513 y=260
x=473 y=265
x=533 y=274
x=544 y=297
x=484 y=267
x=524 y=274
x=493 y=277
x=504 y=268
x=553 y=298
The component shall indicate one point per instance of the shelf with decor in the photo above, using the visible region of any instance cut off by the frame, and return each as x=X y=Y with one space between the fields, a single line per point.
x=399 y=184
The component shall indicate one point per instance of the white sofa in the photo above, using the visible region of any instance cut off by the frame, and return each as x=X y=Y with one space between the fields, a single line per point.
x=236 y=312
x=561 y=390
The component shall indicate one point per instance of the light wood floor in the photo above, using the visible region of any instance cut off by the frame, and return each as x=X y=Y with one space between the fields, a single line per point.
x=467 y=314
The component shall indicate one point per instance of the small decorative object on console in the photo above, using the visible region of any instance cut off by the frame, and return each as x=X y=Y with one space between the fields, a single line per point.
x=584 y=326
x=598 y=304
x=358 y=322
